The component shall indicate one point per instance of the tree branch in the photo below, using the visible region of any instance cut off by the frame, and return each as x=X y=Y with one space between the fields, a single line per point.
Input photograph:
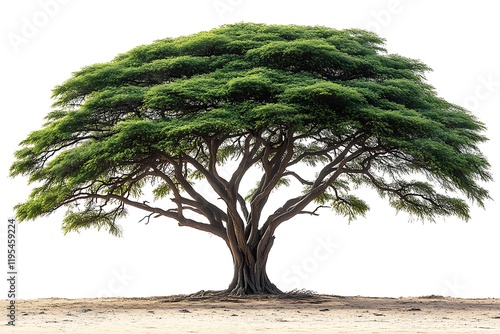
x=313 y=213
x=298 y=177
x=182 y=221
x=335 y=168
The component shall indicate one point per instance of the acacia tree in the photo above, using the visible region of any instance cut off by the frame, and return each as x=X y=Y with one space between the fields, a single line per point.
x=329 y=110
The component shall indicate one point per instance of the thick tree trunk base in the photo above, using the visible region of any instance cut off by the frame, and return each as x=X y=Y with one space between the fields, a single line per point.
x=244 y=286
x=251 y=280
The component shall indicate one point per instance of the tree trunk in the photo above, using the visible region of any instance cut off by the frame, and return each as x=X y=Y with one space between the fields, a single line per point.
x=250 y=276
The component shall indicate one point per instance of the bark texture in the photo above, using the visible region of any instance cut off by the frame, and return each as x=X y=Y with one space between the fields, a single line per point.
x=250 y=275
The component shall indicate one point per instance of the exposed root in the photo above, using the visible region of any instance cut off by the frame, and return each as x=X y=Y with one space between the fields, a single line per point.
x=234 y=297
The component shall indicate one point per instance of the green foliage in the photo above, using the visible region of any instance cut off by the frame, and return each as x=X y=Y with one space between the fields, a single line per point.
x=93 y=217
x=141 y=117
x=350 y=207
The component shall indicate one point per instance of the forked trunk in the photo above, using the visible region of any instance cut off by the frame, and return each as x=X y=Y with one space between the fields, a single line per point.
x=250 y=276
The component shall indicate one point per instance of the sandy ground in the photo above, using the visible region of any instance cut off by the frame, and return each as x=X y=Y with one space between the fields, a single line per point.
x=300 y=314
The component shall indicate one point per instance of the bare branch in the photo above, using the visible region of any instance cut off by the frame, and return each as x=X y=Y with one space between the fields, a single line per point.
x=148 y=217
x=298 y=177
x=313 y=213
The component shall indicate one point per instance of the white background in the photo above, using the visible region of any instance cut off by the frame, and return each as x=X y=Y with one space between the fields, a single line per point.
x=43 y=42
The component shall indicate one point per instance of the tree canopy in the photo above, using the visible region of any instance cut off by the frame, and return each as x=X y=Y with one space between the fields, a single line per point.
x=327 y=109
